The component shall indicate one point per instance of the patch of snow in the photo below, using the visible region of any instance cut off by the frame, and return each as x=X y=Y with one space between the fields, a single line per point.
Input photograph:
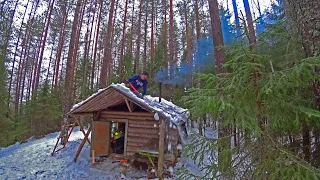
x=179 y=147
x=169 y=147
x=174 y=113
x=171 y=169
x=33 y=160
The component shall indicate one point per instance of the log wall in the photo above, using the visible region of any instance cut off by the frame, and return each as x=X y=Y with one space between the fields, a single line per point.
x=142 y=127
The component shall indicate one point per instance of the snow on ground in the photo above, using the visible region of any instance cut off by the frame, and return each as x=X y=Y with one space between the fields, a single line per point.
x=33 y=160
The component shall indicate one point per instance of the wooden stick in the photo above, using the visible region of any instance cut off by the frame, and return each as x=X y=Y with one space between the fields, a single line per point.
x=93 y=157
x=130 y=110
x=73 y=125
x=161 y=150
x=54 y=149
x=82 y=130
x=82 y=144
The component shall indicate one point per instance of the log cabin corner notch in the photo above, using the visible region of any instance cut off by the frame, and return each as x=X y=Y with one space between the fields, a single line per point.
x=147 y=125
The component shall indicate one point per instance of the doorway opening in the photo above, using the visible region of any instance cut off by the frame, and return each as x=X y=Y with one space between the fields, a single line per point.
x=118 y=137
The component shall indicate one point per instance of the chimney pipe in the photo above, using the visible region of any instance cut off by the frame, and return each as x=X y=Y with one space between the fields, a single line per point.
x=160 y=93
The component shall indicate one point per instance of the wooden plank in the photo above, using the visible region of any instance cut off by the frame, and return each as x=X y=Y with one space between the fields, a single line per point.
x=135 y=144
x=82 y=144
x=143 y=135
x=138 y=140
x=123 y=120
x=145 y=122
x=151 y=126
x=85 y=106
x=81 y=128
x=129 y=107
x=107 y=116
x=143 y=114
x=143 y=131
x=161 y=150
x=126 y=139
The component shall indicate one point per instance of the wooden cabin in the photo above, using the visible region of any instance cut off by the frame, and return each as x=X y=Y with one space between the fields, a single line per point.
x=124 y=124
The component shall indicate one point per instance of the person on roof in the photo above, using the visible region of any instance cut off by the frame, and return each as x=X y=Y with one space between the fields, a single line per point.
x=137 y=81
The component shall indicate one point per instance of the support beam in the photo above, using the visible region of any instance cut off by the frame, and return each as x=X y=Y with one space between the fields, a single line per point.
x=161 y=149
x=82 y=144
x=81 y=128
x=129 y=107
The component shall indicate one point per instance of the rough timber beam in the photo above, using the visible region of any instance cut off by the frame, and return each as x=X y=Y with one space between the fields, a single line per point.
x=127 y=102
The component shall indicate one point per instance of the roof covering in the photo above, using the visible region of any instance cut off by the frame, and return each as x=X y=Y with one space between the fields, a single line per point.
x=115 y=95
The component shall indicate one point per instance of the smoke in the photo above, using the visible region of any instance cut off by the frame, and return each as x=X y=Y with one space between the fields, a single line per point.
x=202 y=58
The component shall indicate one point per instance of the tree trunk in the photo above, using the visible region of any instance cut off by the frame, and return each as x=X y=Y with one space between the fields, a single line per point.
x=236 y=16
x=224 y=161
x=131 y=34
x=198 y=20
x=23 y=49
x=165 y=35
x=171 y=40
x=121 y=60
x=137 y=56
x=70 y=73
x=107 y=50
x=251 y=36
x=144 y=61
x=152 y=35
x=50 y=61
x=60 y=48
x=188 y=39
x=37 y=75
x=15 y=52
x=304 y=16
x=96 y=45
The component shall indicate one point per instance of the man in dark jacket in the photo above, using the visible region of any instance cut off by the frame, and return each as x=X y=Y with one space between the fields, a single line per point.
x=138 y=81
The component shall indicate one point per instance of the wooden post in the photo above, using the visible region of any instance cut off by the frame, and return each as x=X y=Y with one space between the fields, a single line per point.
x=93 y=157
x=81 y=129
x=161 y=149
x=82 y=144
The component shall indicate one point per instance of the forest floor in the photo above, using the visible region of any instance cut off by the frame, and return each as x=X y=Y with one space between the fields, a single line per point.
x=33 y=160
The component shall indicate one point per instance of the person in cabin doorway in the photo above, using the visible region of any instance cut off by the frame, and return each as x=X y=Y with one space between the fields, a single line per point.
x=136 y=82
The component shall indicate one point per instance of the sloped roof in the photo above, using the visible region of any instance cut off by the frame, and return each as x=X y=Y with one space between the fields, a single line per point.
x=115 y=95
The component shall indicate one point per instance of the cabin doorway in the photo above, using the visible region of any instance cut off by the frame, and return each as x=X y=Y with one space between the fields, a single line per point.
x=119 y=137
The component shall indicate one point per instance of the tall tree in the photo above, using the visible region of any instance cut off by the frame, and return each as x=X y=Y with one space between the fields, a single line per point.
x=69 y=78
x=121 y=60
x=107 y=49
x=197 y=19
x=171 y=36
x=131 y=31
x=224 y=160
x=137 y=56
x=96 y=45
x=37 y=75
x=15 y=54
x=60 y=46
x=236 y=16
x=152 y=32
x=304 y=17
x=251 y=31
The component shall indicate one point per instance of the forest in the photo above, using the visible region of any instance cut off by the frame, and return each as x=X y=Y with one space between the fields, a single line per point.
x=248 y=70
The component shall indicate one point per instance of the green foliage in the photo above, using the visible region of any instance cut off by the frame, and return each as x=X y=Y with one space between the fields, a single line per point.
x=42 y=115
x=283 y=87
x=128 y=66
